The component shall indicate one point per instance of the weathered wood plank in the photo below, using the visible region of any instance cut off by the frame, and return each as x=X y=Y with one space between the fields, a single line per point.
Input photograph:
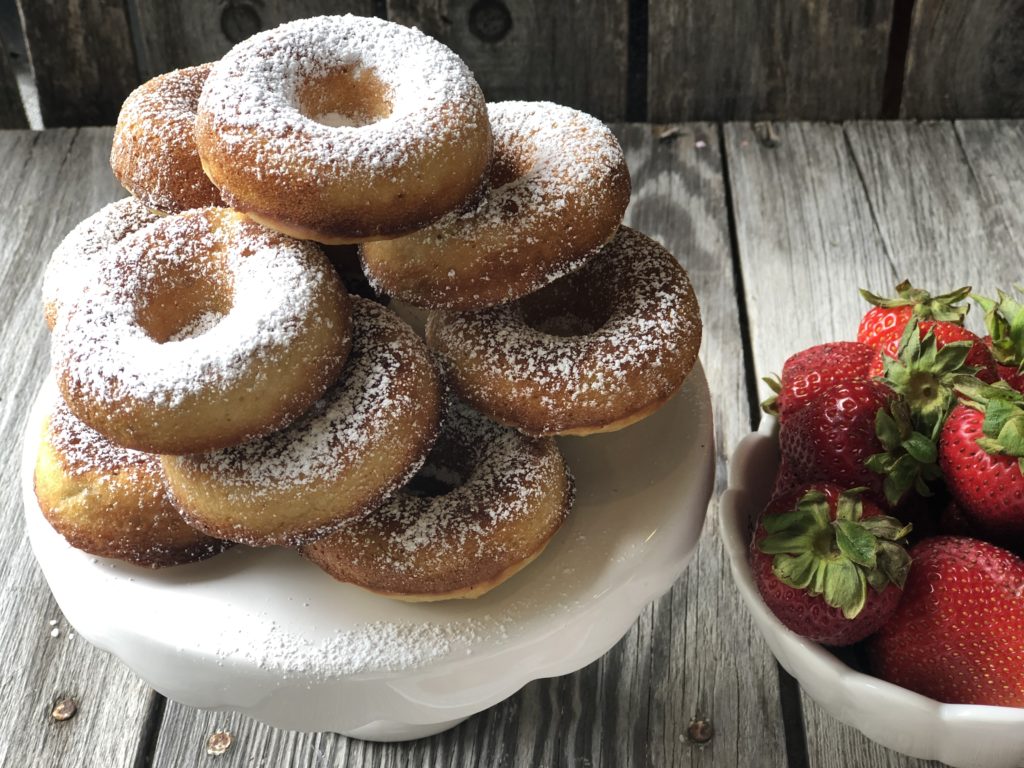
x=807 y=237
x=48 y=182
x=693 y=654
x=749 y=59
x=204 y=32
x=995 y=152
x=570 y=53
x=965 y=60
x=930 y=211
x=83 y=59
x=12 y=111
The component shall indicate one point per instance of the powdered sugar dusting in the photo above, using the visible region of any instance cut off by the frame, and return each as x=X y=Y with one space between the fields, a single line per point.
x=154 y=152
x=644 y=345
x=557 y=191
x=73 y=265
x=369 y=400
x=257 y=85
x=109 y=357
x=84 y=450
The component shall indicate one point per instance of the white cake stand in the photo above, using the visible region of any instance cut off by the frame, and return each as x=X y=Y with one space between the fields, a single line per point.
x=267 y=633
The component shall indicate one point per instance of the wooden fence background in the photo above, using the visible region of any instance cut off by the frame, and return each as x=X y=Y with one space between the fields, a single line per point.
x=640 y=60
x=657 y=60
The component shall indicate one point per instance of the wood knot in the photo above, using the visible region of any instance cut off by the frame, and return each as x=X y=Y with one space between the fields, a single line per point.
x=490 y=20
x=64 y=709
x=239 y=21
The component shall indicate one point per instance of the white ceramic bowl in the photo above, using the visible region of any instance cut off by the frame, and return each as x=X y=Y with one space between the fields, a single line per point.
x=266 y=633
x=961 y=735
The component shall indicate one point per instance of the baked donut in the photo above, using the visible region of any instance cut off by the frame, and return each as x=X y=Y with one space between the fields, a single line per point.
x=72 y=267
x=342 y=129
x=593 y=352
x=349 y=452
x=485 y=505
x=204 y=330
x=154 y=154
x=110 y=501
x=556 y=191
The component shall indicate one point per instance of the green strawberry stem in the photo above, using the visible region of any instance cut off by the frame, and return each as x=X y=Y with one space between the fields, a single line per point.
x=1004 y=319
x=944 y=307
x=924 y=374
x=1003 y=427
x=910 y=458
x=770 y=405
x=836 y=559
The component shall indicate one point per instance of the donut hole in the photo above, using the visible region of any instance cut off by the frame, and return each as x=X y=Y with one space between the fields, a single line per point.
x=446 y=468
x=568 y=307
x=178 y=305
x=349 y=97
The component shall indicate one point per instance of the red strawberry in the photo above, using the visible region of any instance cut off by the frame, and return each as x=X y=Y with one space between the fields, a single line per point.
x=958 y=634
x=886 y=321
x=829 y=565
x=1004 y=319
x=859 y=434
x=809 y=373
x=978 y=357
x=981 y=452
x=785 y=480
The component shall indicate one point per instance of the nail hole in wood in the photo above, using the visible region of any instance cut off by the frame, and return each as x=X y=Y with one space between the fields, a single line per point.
x=700 y=731
x=239 y=21
x=490 y=20
x=64 y=709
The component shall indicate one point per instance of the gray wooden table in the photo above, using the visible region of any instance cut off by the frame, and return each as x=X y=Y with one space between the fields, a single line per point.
x=777 y=225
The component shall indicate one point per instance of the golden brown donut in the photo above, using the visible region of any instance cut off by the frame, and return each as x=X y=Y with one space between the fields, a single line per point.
x=485 y=504
x=593 y=352
x=556 y=192
x=71 y=271
x=204 y=329
x=110 y=501
x=369 y=433
x=342 y=129
x=154 y=154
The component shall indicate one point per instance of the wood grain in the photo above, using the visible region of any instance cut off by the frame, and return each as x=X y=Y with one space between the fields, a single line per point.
x=83 y=59
x=204 y=31
x=12 y=111
x=995 y=153
x=571 y=53
x=48 y=182
x=692 y=654
x=965 y=60
x=750 y=59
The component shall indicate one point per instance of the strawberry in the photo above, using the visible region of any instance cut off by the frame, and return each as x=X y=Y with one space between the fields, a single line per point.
x=978 y=355
x=829 y=565
x=810 y=372
x=981 y=453
x=859 y=434
x=886 y=320
x=958 y=634
x=1004 y=319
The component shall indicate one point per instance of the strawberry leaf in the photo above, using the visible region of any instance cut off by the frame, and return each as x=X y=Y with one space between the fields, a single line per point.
x=845 y=587
x=945 y=306
x=856 y=542
x=796 y=571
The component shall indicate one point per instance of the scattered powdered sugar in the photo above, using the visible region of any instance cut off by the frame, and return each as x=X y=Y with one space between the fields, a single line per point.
x=369 y=401
x=154 y=153
x=71 y=272
x=83 y=450
x=109 y=357
x=252 y=98
x=513 y=493
x=639 y=354
x=557 y=191
x=380 y=646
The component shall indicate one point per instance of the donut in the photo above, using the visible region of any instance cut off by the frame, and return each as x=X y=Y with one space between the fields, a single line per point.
x=154 y=154
x=110 y=501
x=484 y=506
x=369 y=433
x=556 y=192
x=593 y=352
x=71 y=270
x=342 y=129
x=204 y=330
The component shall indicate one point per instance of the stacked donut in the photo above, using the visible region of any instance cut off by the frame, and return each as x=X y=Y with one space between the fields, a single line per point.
x=219 y=384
